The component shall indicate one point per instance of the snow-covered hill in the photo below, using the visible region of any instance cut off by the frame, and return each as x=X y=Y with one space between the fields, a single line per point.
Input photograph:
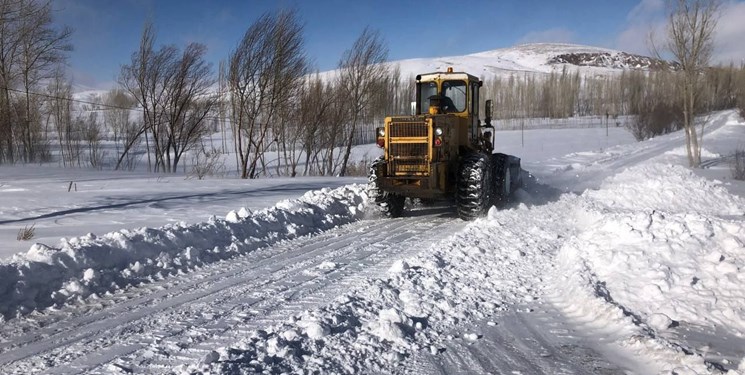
x=535 y=58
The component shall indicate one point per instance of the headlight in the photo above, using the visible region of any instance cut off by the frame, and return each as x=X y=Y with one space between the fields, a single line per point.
x=438 y=131
x=381 y=132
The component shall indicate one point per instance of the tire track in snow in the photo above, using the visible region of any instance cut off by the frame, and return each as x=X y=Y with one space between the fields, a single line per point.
x=252 y=290
x=526 y=340
x=167 y=297
x=301 y=294
x=216 y=275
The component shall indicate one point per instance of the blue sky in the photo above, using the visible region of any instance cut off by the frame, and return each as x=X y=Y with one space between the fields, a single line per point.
x=108 y=31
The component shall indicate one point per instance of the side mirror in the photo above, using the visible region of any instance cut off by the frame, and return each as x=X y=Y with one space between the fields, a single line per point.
x=487 y=113
x=413 y=108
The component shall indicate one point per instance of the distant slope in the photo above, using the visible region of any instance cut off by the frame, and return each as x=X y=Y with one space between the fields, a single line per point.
x=535 y=58
x=530 y=58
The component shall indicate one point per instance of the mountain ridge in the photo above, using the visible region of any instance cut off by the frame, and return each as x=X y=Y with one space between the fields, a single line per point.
x=536 y=58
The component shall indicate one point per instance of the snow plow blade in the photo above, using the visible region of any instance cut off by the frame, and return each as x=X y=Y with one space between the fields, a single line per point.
x=507 y=176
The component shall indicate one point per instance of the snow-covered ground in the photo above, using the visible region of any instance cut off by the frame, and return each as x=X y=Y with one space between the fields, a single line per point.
x=614 y=259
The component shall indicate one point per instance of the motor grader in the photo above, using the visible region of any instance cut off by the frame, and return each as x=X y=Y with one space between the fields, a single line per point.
x=442 y=151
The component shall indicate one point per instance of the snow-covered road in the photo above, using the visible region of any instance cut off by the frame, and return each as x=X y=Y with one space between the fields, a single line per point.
x=611 y=261
x=180 y=319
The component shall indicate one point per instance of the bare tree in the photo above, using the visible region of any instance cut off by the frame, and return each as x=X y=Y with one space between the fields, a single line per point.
x=91 y=132
x=10 y=40
x=334 y=129
x=30 y=51
x=60 y=113
x=187 y=103
x=265 y=74
x=690 y=39
x=42 y=48
x=315 y=104
x=126 y=132
x=360 y=69
x=146 y=78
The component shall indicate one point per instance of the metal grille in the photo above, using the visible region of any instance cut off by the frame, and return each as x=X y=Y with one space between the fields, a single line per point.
x=408 y=129
x=409 y=151
x=409 y=147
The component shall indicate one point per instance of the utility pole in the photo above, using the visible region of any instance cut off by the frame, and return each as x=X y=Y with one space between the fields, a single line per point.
x=522 y=132
x=606 y=123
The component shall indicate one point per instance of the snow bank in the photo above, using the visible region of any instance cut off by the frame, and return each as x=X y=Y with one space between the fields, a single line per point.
x=658 y=248
x=83 y=266
x=665 y=187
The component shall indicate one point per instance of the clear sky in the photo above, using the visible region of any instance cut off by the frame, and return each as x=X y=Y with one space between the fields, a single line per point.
x=106 y=32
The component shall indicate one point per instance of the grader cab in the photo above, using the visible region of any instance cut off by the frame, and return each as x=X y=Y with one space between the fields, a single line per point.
x=442 y=151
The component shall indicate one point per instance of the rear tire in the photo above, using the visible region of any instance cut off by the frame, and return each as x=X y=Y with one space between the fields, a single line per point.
x=389 y=204
x=475 y=186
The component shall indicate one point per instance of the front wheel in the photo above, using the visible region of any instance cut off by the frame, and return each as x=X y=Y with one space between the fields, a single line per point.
x=389 y=204
x=474 y=186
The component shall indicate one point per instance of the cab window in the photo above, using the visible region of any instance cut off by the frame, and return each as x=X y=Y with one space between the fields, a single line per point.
x=456 y=91
x=428 y=89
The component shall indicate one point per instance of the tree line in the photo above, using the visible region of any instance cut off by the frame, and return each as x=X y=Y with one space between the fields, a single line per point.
x=630 y=92
x=284 y=118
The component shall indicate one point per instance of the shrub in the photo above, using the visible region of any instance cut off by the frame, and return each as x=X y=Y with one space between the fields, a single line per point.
x=26 y=233
x=359 y=169
x=207 y=163
x=655 y=119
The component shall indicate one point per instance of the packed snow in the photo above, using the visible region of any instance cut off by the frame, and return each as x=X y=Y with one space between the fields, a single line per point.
x=615 y=257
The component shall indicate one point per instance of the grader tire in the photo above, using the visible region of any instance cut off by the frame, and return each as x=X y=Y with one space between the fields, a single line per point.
x=474 y=187
x=389 y=204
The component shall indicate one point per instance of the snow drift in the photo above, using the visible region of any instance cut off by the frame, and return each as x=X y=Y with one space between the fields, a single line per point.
x=89 y=265
x=658 y=248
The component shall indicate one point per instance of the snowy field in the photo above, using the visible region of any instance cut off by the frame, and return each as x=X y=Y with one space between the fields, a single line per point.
x=614 y=259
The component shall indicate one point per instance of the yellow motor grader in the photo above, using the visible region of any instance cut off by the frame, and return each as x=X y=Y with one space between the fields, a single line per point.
x=442 y=151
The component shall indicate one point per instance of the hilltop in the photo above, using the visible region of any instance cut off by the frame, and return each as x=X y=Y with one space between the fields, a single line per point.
x=535 y=58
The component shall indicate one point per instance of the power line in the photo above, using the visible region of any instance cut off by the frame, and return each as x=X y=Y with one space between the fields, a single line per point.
x=48 y=96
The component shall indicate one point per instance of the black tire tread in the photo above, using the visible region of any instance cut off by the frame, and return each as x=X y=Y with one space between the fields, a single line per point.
x=475 y=186
x=389 y=204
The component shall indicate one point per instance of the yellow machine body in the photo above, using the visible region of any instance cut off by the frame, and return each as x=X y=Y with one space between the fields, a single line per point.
x=423 y=150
